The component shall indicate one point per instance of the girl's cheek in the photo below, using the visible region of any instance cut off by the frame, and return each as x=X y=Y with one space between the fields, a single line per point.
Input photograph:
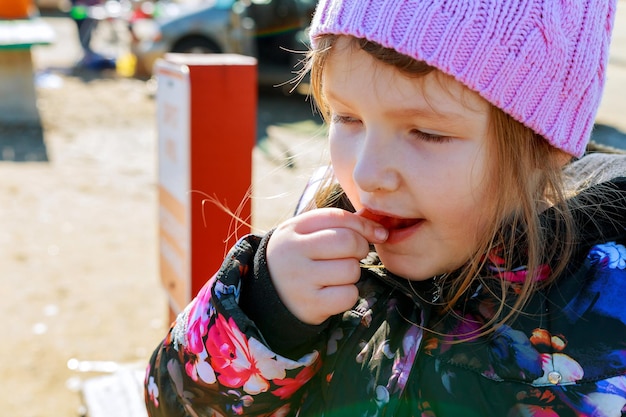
x=342 y=160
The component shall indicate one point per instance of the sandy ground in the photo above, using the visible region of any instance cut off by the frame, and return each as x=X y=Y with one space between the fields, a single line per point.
x=78 y=219
x=78 y=215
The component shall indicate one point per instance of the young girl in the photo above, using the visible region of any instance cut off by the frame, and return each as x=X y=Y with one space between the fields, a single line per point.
x=465 y=259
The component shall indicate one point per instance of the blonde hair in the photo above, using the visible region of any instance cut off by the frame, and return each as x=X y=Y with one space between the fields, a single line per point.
x=516 y=152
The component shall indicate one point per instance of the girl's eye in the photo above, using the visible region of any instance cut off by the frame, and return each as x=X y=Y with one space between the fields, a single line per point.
x=344 y=119
x=430 y=137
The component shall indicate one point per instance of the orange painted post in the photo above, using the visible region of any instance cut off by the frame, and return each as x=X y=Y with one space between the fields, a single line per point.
x=16 y=9
x=206 y=116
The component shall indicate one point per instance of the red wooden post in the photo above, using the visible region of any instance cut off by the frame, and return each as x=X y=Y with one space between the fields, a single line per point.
x=206 y=115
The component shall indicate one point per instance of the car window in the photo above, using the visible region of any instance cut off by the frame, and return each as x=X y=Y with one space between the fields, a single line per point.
x=224 y=4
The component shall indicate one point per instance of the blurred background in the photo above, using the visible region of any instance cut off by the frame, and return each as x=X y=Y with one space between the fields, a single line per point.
x=79 y=249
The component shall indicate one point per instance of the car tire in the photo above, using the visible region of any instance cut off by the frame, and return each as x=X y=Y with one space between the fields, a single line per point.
x=196 y=45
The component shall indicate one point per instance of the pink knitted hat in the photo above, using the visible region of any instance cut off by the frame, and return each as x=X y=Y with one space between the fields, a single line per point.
x=541 y=61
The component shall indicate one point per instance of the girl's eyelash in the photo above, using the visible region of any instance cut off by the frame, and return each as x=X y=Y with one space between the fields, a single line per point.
x=343 y=119
x=429 y=137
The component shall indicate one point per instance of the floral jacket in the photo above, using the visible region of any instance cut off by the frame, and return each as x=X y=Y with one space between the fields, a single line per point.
x=236 y=350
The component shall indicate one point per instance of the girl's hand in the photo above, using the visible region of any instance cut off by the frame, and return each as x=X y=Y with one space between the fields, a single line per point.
x=313 y=260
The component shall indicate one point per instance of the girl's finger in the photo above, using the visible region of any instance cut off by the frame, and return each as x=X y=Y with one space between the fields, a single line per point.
x=335 y=243
x=336 y=272
x=336 y=299
x=332 y=218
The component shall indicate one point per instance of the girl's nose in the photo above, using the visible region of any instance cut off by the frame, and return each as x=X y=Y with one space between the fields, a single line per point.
x=375 y=169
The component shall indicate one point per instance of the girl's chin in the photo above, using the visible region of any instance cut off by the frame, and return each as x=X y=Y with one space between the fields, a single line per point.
x=404 y=266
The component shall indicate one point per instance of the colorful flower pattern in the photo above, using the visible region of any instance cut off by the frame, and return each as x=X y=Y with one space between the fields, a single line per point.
x=216 y=355
x=609 y=255
x=379 y=360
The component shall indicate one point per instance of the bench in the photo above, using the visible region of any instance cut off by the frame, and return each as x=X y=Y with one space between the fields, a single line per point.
x=18 y=98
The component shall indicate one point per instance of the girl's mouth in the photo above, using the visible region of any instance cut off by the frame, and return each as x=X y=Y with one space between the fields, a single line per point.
x=389 y=222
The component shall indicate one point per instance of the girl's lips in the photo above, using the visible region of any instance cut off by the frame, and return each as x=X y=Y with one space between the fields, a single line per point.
x=389 y=222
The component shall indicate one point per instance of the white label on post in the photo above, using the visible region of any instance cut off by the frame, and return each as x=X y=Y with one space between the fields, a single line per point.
x=173 y=123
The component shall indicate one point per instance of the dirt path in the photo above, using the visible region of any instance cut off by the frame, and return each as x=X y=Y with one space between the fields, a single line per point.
x=77 y=246
x=78 y=242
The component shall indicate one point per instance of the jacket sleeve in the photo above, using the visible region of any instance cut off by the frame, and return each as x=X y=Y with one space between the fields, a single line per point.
x=216 y=362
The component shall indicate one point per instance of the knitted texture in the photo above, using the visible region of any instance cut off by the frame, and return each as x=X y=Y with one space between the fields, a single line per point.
x=541 y=61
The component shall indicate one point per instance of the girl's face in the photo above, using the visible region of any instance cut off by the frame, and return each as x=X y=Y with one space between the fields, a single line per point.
x=413 y=153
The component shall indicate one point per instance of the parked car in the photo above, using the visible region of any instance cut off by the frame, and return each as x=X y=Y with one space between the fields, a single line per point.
x=270 y=30
x=278 y=32
x=180 y=27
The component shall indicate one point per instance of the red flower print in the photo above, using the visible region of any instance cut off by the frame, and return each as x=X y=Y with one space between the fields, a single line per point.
x=241 y=362
x=291 y=385
x=198 y=320
x=198 y=368
x=518 y=276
